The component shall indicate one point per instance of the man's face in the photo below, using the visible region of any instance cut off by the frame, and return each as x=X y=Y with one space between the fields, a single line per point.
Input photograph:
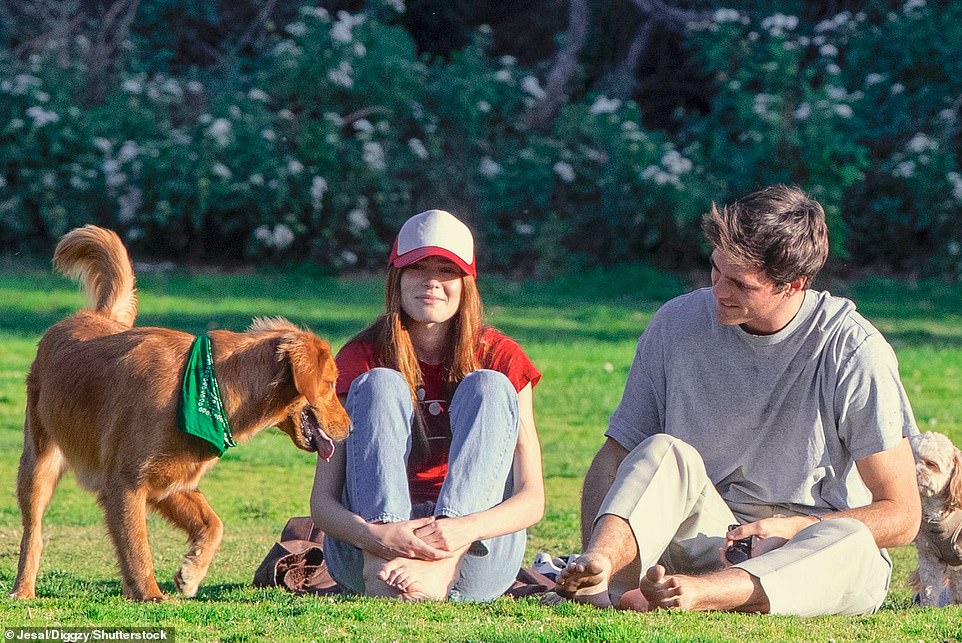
x=747 y=298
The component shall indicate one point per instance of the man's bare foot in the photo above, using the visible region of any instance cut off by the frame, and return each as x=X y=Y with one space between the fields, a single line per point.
x=585 y=579
x=728 y=589
x=633 y=600
x=420 y=580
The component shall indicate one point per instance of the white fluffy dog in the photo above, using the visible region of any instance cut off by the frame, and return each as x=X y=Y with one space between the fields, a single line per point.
x=939 y=471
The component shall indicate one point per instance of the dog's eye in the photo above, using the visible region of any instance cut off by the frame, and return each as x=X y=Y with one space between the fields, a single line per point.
x=932 y=465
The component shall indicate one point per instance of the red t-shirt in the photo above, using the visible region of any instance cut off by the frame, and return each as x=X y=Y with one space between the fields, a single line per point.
x=498 y=352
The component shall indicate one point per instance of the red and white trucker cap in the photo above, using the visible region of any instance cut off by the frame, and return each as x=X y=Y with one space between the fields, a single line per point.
x=434 y=233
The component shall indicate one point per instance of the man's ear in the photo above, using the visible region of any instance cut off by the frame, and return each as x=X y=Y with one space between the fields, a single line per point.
x=795 y=286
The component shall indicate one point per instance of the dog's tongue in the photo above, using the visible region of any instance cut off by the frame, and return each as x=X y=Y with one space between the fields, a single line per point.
x=324 y=445
x=315 y=435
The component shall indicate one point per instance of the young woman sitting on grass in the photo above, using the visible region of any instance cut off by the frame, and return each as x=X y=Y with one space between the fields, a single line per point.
x=433 y=491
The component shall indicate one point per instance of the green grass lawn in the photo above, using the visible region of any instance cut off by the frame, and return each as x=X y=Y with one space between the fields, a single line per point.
x=580 y=331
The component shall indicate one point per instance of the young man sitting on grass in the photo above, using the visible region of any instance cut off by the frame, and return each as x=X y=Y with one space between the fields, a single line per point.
x=762 y=403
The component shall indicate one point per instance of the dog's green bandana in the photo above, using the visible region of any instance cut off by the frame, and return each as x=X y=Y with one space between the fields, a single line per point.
x=201 y=411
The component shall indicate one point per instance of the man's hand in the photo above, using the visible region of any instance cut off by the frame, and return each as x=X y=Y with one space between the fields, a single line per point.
x=769 y=533
x=447 y=534
x=399 y=539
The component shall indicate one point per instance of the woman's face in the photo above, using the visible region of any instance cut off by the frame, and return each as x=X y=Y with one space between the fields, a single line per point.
x=431 y=290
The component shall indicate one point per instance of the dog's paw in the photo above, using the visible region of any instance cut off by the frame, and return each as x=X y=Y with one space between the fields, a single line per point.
x=186 y=583
x=22 y=594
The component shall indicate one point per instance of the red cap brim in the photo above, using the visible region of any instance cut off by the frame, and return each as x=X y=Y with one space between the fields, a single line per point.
x=408 y=258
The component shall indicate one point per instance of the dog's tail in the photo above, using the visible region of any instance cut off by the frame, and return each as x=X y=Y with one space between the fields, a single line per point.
x=97 y=258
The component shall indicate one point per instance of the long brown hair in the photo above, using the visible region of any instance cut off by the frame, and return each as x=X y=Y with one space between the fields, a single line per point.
x=394 y=348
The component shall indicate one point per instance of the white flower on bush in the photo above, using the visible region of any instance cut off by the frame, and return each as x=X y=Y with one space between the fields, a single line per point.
x=280 y=237
x=15 y=123
x=873 y=79
x=904 y=170
x=318 y=188
x=22 y=83
x=3 y=181
x=724 y=15
x=258 y=94
x=343 y=29
x=319 y=13
x=348 y=258
x=564 y=171
x=286 y=48
x=843 y=111
x=357 y=220
x=343 y=75
x=658 y=175
x=912 y=5
x=294 y=166
x=604 y=105
x=268 y=135
x=103 y=144
x=220 y=130
x=803 y=111
x=502 y=76
x=133 y=86
x=833 y=69
x=947 y=115
x=195 y=87
x=828 y=50
x=179 y=137
x=43 y=97
x=533 y=88
x=256 y=179
x=221 y=171
x=675 y=163
x=508 y=61
x=920 y=143
x=417 y=148
x=761 y=102
x=373 y=155
x=522 y=228
x=363 y=125
x=956 y=180
x=897 y=88
x=397 y=5
x=127 y=152
x=235 y=112
x=484 y=106
x=128 y=204
x=296 y=29
x=488 y=167
x=777 y=24
x=41 y=116
x=359 y=49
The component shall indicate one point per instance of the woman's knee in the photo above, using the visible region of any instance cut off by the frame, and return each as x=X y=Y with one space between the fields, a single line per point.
x=487 y=381
x=377 y=396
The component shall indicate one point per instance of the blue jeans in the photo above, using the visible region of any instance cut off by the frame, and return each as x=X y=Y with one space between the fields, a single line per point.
x=484 y=432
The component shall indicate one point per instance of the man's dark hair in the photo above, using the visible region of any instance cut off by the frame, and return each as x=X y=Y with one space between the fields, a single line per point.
x=779 y=230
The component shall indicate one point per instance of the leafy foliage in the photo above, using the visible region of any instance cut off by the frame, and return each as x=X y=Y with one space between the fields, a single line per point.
x=317 y=139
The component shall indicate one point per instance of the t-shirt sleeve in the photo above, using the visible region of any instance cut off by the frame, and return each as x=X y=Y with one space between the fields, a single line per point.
x=506 y=356
x=872 y=409
x=641 y=412
x=352 y=360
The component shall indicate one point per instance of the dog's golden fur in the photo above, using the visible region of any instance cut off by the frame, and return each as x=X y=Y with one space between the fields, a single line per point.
x=102 y=399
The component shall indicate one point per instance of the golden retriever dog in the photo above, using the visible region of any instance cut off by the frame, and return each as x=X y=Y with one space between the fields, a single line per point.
x=102 y=399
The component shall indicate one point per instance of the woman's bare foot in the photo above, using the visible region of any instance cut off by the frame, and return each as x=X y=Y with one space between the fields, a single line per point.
x=373 y=584
x=585 y=579
x=419 y=580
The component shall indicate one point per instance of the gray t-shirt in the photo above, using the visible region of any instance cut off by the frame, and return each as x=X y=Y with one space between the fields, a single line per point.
x=778 y=419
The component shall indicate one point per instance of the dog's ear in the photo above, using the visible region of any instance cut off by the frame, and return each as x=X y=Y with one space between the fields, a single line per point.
x=954 y=499
x=311 y=365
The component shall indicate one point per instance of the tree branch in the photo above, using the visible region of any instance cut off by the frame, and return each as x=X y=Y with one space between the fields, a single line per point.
x=565 y=66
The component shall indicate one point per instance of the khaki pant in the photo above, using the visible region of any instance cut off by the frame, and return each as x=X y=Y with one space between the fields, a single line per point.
x=680 y=520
